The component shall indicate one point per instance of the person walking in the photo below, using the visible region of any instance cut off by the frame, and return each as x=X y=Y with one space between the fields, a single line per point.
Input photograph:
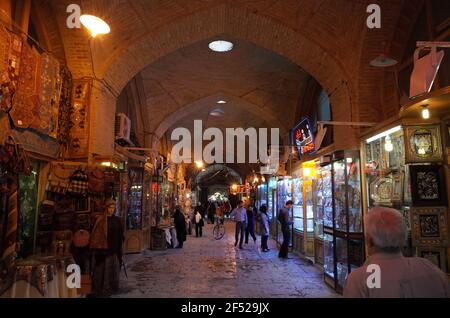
x=264 y=220
x=250 y=229
x=198 y=224
x=239 y=215
x=286 y=222
x=400 y=277
x=180 y=227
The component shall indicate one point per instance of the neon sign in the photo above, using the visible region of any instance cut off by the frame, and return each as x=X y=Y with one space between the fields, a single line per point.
x=303 y=138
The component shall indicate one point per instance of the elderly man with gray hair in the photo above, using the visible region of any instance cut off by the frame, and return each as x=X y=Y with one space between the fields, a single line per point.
x=399 y=277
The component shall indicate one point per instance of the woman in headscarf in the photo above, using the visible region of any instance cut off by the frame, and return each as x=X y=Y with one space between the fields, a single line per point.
x=180 y=227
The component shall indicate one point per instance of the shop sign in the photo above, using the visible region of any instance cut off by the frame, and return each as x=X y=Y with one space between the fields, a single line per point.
x=303 y=138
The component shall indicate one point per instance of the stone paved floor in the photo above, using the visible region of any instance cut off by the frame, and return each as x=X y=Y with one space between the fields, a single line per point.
x=209 y=268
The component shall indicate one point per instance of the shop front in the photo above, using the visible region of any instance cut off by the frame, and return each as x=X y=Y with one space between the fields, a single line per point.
x=137 y=228
x=405 y=164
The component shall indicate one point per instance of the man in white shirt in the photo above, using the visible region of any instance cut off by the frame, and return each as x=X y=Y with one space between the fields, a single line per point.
x=239 y=214
x=387 y=274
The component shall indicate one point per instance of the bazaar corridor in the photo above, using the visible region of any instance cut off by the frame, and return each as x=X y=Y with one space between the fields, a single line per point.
x=319 y=127
x=205 y=267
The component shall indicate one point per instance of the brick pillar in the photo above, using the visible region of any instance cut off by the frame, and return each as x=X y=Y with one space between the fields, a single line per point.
x=102 y=121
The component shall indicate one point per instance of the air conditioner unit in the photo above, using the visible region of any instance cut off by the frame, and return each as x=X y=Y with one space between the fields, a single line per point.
x=123 y=127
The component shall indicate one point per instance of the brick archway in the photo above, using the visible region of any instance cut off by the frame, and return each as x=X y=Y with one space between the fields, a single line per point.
x=121 y=67
x=191 y=109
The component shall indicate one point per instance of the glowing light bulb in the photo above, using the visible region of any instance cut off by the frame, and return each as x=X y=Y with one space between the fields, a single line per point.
x=388 y=146
x=95 y=25
x=425 y=113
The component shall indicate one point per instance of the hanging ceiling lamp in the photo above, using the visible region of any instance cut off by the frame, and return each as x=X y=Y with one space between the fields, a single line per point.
x=383 y=60
x=95 y=25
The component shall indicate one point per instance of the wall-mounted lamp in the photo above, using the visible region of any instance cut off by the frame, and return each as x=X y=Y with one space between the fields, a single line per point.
x=425 y=112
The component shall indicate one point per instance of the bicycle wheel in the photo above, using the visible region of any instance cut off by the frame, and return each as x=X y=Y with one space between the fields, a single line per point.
x=218 y=231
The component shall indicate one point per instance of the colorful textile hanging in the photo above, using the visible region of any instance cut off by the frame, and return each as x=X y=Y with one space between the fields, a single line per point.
x=49 y=93
x=25 y=112
x=65 y=104
x=10 y=52
x=79 y=132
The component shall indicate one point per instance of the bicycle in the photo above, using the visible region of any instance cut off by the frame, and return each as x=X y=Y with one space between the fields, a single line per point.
x=219 y=229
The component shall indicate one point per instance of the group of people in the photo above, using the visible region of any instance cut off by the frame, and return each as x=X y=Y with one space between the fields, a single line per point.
x=245 y=219
x=386 y=234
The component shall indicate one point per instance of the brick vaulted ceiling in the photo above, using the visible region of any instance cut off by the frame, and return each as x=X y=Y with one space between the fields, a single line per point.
x=278 y=42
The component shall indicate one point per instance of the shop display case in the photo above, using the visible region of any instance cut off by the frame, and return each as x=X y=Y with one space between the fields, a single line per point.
x=134 y=239
x=324 y=201
x=135 y=187
x=387 y=176
x=271 y=203
x=297 y=209
x=328 y=263
x=343 y=238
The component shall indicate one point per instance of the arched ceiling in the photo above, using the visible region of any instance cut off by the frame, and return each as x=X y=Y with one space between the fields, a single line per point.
x=326 y=38
x=261 y=88
x=219 y=174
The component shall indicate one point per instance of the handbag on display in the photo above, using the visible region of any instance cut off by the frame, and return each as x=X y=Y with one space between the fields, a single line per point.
x=58 y=179
x=81 y=238
x=78 y=183
x=96 y=181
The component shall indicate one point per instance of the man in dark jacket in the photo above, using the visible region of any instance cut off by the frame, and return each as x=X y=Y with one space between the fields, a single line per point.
x=285 y=219
x=180 y=227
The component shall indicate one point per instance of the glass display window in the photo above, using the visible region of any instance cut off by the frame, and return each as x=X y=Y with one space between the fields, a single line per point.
x=324 y=199
x=297 y=198
x=341 y=261
x=340 y=187
x=309 y=207
x=135 y=191
x=354 y=195
x=328 y=249
x=338 y=201
x=387 y=176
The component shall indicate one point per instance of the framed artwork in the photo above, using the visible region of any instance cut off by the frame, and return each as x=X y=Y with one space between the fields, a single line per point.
x=429 y=226
x=428 y=185
x=423 y=144
x=434 y=255
x=381 y=190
